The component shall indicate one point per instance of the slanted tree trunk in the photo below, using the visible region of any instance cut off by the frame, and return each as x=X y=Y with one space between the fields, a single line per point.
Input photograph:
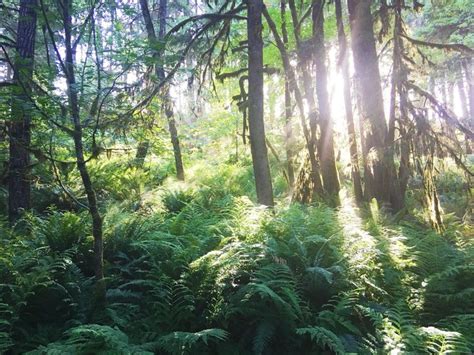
x=304 y=68
x=19 y=189
x=326 y=141
x=263 y=181
x=73 y=101
x=309 y=180
x=178 y=158
x=430 y=194
x=167 y=102
x=344 y=64
x=379 y=167
x=160 y=74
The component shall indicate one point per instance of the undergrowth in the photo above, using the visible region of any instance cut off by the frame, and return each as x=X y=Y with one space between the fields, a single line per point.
x=197 y=268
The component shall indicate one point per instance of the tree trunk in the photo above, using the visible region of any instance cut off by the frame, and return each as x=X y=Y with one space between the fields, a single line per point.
x=72 y=88
x=290 y=78
x=343 y=60
x=462 y=95
x=430 y=195
x=160 y=74
x=444 y=91
x=263 y=181
x=467 y=66
x=398 y=182
x=19 y=189
x=465 y=108
x=326 y=141
x=288 y=107
x=304 y=68
x=432 y=90
x=289 y=138
x=178 y=160
x=379 y=167
x=142 y=152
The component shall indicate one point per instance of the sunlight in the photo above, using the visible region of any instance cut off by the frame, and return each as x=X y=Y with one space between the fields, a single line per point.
x=359 y=242
x=188 y=181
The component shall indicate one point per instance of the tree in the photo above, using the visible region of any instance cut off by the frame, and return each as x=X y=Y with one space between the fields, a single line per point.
x=73 y=102
x=288 y=104
x=263 y=182
x=344 y=66
x=72 y=112
x=19 y=127
x=160 y=74
x=379 y=166
x=326 y=141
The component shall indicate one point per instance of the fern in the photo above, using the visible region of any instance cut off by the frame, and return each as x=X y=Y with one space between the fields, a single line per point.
x=443 y=342
x=264 y=333
x=91 y=339
x=180 y=343
x=324 y=338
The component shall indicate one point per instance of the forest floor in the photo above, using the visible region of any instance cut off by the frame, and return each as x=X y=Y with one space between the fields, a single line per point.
x=198 y=268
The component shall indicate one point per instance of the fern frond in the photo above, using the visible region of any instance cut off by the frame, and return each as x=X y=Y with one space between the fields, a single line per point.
x=264 y=333
x=444 y=342
x=183 y=342
x=324 y=338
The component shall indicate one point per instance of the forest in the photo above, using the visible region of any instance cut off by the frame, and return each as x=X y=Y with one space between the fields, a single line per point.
x=236 y=177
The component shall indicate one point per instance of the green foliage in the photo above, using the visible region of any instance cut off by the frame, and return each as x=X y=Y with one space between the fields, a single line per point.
x=91 y=339
x=119 y=179
x=196 y=269
x=175 y=201
x=185 y=342
x=60 y=230
x=324 y=338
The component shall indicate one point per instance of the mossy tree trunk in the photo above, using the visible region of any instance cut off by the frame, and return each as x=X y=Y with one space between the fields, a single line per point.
x=19 y=128
x=344 y=65
x=379 y=168
x=258 y=145
x=326 y=141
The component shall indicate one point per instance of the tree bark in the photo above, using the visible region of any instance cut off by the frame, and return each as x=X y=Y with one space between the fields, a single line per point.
x=19 y=186
x=304 y=68
x=462 y=94
x=288 y=107
x=467 y=66
x=263 y=181
x=430 y=194
x=326 y=141
x=344 y=64
x=290 y=78
x=465 y=107
x=142 y=152
x=379 y=166
x=160 y=74
x=398 y=182
x=289 y=137
x=74 y=108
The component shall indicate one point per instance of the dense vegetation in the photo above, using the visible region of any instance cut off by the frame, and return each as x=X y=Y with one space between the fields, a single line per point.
x=234 y=177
